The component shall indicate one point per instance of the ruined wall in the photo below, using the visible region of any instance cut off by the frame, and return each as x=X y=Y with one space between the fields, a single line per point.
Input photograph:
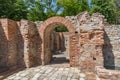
x=29 y=44
x=3 y=50
x=111 y=48
x=8 y=40
x=92 y=42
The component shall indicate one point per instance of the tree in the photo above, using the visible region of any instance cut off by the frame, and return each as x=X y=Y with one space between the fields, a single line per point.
x=106 y=7
x=43 y=9
x=6 y=7
x=36 y=12
x=20 y=10
x=117 y=11
x=13 y=9
x=73 y=7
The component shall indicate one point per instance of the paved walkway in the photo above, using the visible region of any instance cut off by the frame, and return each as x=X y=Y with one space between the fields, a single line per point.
x=47 y=73
x=58 y=70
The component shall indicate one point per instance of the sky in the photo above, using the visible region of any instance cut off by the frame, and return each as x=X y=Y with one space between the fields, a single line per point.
x=89 y=2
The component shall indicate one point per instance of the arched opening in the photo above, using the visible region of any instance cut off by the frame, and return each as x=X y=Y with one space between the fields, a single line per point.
x=57 y=44
x=47 y=30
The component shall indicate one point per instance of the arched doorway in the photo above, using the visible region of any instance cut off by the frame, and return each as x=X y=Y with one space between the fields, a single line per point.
x=45 y=31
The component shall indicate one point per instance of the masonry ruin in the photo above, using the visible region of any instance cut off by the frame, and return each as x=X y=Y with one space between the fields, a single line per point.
x=92 y=42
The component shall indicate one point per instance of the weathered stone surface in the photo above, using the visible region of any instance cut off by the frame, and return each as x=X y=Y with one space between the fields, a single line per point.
x=111 y=47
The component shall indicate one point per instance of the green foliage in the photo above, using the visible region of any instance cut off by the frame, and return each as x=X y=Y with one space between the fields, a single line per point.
x=36 y=12
x=61 y=29
x=6 y=7
x=13 y=9
x=117 y=11
x=43 y=9
x=40 y=10
x=106 y=7
x=20 y=10
x=73 y=7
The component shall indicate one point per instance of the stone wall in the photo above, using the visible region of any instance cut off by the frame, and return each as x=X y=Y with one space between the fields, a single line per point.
x=111 y=48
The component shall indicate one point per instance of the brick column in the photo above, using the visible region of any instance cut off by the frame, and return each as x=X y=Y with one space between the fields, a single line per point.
x=74 y=50
x=62 y=42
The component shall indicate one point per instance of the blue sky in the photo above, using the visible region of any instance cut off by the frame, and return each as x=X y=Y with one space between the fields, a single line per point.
x=89 y=2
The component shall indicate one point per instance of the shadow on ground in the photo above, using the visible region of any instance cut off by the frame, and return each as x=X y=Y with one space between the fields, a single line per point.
x=5 y=74
x=59 y=60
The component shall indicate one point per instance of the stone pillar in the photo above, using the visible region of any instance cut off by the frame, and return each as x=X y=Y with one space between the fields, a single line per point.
x=57 y=40
x=9 y=36
x=66 y=43
x=62 y=42
x=52 y=42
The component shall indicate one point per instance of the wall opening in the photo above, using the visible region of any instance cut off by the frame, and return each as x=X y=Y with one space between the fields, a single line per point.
x=59 y=38
x=57 y=44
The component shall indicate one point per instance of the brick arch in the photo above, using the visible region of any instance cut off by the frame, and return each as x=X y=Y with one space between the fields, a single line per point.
x=45 y=30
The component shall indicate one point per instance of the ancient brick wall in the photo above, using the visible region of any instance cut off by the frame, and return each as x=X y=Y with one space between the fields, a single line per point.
x=45 y=30
x=92 y=42
x=29 y=44
x=3 y=48
x=8 y=40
